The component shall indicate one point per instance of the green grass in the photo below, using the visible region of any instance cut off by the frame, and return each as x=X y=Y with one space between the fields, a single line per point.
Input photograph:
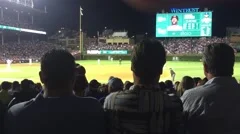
x=106 y=69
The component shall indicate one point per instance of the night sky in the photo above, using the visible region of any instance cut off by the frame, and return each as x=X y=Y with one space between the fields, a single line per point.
x=116 y=15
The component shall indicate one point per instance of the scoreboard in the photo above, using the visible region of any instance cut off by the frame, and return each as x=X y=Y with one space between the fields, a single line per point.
x=197 y=24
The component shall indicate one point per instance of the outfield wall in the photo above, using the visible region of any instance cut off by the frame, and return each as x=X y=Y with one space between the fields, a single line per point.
x=169 y=57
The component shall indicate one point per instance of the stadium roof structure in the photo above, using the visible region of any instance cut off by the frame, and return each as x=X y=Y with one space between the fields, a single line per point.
x=120 y=34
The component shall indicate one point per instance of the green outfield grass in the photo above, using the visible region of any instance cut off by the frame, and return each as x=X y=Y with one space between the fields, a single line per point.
x=106 y=69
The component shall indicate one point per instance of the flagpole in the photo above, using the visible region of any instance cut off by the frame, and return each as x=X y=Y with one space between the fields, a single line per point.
x=81 y=34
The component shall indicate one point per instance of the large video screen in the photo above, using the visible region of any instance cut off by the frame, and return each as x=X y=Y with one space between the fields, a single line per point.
x=197 y=24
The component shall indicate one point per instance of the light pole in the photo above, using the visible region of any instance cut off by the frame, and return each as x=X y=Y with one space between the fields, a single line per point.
x=80 y=33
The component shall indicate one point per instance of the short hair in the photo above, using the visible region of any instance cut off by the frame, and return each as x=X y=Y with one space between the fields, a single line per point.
x=59 y=67
x=169 y=84
x=127 y=85
x=187 y=82
x=15 y=85
x=219 y=59
x=196 y=80
x=148 y=59
x=6 y=85
x=175 y=16
x=25 y=84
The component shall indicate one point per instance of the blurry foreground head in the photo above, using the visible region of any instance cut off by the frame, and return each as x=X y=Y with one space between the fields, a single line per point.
x=218 y=60
x=58 y=70
x=148 y=59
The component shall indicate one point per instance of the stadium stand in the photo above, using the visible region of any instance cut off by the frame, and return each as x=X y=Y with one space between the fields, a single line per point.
x=121 y=116
x=26 y=50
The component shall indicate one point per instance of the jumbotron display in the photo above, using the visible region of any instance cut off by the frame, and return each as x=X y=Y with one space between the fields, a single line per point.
x=198 y=24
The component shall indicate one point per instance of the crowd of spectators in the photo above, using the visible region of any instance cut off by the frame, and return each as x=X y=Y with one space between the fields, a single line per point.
x=190 y=45
x=25 y=50
x=34 y=49
x=172 y=46
x=68 y=103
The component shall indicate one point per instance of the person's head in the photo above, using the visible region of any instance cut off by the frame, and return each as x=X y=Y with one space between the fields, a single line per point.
x=218 y=60
x=80 y=69
x=162 y=86
x=6 y=85
x=111 y=77
x=127 y=85
x=148 y=59
x=38 y=86
x=114 y=85
x=176 y=84
x=58 y=71
x=197 y=80
x=186 y=84
x=25 y=85
x=94 y=84
x=174 y=20
x=169 y=84
x=202 y=82
x=80 y=85
x=15 y=85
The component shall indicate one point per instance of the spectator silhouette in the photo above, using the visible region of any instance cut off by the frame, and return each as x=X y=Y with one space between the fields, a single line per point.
x=212 y=108
x=169 y=87
x=127 y=85
x=114 y=85
x=197 y=80
x=186 y=84
x=26 y=93
x=140 y=110
x=81 y=83
x=93 y=89
x=56 y=110
x=15 y=88
x=5 y=98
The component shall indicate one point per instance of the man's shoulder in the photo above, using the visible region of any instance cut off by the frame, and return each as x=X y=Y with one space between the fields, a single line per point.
x=198 y=92
x=17 y=108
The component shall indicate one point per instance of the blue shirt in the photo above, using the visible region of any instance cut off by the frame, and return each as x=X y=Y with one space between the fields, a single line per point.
x=63 y=115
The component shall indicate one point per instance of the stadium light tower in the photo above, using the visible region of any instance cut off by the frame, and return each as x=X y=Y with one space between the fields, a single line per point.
x=80 y=32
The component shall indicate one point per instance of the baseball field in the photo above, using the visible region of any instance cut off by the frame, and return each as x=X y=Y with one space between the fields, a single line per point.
x=105 y=69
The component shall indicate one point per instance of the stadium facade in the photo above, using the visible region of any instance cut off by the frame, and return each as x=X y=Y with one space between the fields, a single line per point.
x=19 y=20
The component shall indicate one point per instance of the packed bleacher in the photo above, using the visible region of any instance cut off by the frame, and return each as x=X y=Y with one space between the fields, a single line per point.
x=190 y=45
x=69 y=103
x=34 y=49
x=25 y=50
x=172 y=46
